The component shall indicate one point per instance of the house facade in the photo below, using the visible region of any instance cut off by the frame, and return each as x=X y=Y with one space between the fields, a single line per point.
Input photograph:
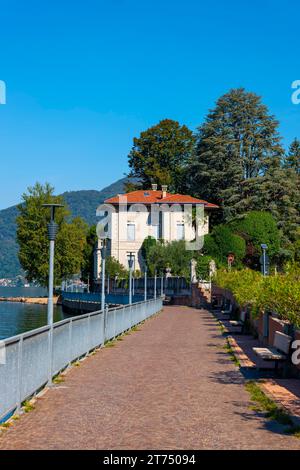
x=132 y=217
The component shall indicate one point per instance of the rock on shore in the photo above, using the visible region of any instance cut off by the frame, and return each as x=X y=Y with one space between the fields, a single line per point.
x=30 y=300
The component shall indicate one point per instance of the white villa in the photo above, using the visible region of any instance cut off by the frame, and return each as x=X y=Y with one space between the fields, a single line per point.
x=132 y=217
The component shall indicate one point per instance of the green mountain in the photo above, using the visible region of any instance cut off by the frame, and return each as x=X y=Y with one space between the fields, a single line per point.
x=80 y=203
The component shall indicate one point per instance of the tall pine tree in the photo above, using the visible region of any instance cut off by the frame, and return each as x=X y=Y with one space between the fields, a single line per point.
x=239 y=141
x=292 y=159
x=277 y=192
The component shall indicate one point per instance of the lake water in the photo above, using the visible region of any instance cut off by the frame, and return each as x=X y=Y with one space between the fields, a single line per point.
x=17 y=317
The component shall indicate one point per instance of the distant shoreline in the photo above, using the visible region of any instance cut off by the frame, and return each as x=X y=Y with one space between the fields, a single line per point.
x=30 y=300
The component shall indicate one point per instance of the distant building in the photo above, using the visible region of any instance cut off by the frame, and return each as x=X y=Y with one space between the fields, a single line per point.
x=136 y=215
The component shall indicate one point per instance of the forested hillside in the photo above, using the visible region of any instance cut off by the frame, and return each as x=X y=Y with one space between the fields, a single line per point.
x=81 y=203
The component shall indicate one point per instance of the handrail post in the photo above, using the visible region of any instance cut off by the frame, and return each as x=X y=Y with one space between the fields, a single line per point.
x=145 y=286
x=20 y=361
x=103 y=254
x=70 y=341
x=50 y=355
x=105 y=320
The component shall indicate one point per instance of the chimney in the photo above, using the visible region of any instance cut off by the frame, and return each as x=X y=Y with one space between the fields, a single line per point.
x=164 y=188
x=154 y=187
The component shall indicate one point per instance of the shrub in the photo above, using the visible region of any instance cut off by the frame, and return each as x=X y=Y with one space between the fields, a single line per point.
x=223 y=241
x=146 y=246
x=256 y=228
x=202 y=267
x=173 y=255
x=114 y=268
x=279 y=293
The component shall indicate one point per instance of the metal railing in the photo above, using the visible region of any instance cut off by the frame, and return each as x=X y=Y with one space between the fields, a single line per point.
x=96 y=297
x=169 y=285
x=29 y=364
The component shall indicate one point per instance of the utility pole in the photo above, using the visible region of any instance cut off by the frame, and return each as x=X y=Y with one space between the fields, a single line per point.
x=155 y=280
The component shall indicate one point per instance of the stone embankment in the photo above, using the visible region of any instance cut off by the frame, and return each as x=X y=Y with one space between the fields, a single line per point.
x=30 y=300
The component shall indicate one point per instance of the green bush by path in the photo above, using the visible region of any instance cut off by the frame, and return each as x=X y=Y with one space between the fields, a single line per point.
x=279 y=293
x=255 y=228
x=222 y=241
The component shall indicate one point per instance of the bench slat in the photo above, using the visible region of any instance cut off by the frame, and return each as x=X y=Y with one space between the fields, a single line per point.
x=269 y=354
x=282 y=342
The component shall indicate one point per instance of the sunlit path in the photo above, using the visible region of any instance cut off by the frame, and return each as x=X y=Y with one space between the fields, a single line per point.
x=169 y=385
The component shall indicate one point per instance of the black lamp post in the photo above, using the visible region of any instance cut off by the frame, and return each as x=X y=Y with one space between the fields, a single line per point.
x=52 y=232
x=130 y=263
x=264 y=259
x=145 y=285
x=103 y=256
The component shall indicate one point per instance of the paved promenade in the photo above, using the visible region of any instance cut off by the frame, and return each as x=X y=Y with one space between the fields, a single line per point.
x=168 y=385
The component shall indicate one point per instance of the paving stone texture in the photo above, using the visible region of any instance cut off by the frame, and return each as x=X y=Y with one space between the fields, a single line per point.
x=170 y=385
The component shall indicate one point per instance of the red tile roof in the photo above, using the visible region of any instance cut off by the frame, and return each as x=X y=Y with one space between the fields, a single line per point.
x=155 y=197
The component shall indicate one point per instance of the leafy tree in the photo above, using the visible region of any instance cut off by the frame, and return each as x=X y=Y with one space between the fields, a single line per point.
x=157 y=258
x=87 y=268
x=238 y=141
x=171 y=255
x=114 y=268
x=256 y=228
x=223 y=241
x=162 y=154
x=146 y=246
x=296 y=247
x=210 y=246
x=179 y=258
x=202 y=266
x=292 y=160
x=175 y=256
x=33 y=241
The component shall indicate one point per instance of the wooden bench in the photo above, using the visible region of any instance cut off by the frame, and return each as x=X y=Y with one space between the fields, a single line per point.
x=241 y=322
x=279 y=352
x=227 y=310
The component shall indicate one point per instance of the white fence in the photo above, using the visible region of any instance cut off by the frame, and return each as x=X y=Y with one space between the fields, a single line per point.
x=31 y=360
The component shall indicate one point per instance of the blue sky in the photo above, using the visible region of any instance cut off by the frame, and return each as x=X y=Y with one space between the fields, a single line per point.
x=84 y=78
